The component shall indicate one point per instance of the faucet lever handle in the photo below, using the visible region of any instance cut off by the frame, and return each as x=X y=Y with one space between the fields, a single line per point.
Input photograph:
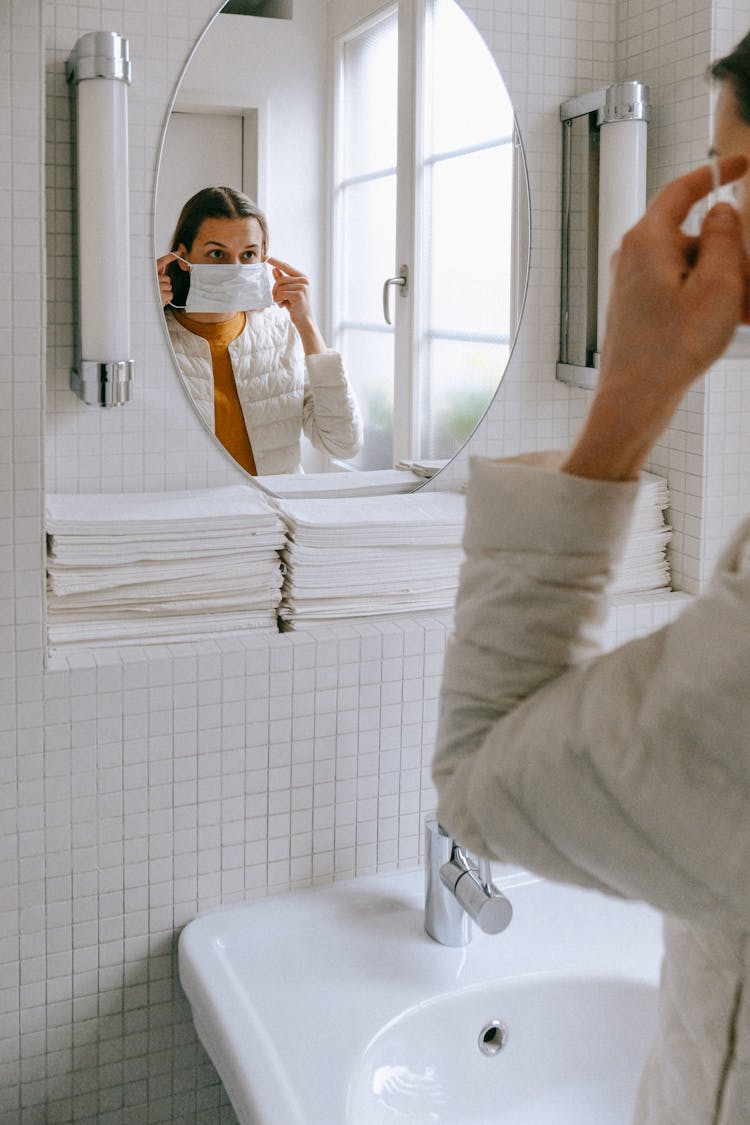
x=484 y=872
x=471 y=892
x=471 y=884
x=485 y=905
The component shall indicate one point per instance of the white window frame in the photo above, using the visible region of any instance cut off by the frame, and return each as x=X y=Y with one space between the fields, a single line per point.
x=408 y=313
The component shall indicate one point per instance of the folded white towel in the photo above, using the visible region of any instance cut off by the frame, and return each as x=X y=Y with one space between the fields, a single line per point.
x=235 y=569
x=69 y=636
x=431 y=511
x=233 y=506
x=377 y=482
x=172 y=592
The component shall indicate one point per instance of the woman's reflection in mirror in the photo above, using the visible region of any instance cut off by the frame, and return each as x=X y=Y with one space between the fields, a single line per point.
x=260 y=377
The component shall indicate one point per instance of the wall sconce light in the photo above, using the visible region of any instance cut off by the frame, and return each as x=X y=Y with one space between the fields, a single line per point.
x=99 y=73
x=604 y=194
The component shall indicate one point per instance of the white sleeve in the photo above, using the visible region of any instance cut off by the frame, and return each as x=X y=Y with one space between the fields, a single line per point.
x=330 y=418
x=627 y=771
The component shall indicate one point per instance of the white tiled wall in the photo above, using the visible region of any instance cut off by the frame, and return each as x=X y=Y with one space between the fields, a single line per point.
x=136 y=792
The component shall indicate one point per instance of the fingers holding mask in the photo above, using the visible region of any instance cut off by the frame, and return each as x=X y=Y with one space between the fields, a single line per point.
x=291 y=289
x=674 y=202
x=717 y=276
x=677 y=295
x=165 y=282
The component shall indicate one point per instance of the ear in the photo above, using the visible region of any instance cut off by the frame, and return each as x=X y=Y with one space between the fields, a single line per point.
x=182 y=251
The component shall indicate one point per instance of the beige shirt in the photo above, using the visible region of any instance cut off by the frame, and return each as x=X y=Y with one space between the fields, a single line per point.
x=626 y=771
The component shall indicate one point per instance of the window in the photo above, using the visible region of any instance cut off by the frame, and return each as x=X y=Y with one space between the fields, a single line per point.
x=424 y=172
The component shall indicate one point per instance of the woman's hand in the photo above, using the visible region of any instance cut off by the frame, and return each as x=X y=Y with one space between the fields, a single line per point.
x=675 y=303
x=165 y=282
x=291 y=290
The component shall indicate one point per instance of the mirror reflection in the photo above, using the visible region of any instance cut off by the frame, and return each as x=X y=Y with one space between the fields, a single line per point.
x=355 y=228
x=246 y=340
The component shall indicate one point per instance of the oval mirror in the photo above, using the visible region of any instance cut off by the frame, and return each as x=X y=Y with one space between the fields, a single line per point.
x=394 y=214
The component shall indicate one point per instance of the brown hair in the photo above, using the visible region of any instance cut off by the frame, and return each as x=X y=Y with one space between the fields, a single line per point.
x=208 y=203
x=735 y=68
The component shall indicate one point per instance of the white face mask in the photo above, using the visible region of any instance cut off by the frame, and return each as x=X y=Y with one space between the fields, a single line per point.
x=228 y=288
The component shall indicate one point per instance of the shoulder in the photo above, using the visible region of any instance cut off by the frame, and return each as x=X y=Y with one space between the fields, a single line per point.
x=188 y=347
x=176 y=330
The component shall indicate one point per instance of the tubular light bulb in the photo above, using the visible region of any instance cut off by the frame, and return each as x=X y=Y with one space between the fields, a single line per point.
x=100 y=68
x=622 y=178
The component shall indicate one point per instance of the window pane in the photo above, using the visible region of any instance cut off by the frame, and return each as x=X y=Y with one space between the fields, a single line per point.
x=369 y=365
x=470 y=242
x=470 y=104
x=369 y=98
x=468 y=245
x=464 y=378
x=369 y=224
x=365 y=223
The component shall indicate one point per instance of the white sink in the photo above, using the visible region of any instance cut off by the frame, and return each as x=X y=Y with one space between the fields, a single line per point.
x=538 y=1051
x=333 y=1007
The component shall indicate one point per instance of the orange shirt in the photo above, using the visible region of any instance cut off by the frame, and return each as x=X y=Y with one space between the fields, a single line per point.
x=229 y=423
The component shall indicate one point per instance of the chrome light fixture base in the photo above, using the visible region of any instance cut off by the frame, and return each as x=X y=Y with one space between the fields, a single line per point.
x=102 y=384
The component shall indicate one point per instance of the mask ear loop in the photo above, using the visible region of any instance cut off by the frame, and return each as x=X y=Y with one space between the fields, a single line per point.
x=719 y=193
x=716 y=178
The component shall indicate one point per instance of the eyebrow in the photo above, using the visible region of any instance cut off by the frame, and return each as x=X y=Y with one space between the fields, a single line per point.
x=222 y=245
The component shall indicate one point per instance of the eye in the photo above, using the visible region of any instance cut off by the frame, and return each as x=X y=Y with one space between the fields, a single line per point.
x=215 y=255
x=250 y=255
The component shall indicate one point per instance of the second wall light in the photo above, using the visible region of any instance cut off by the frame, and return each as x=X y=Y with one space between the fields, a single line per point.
x=604 y=194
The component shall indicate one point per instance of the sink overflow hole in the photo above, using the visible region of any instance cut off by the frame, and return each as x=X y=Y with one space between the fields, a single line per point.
x=492 y=1038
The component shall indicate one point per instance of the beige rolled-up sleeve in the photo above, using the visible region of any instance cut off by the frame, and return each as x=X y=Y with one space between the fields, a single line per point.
x=590 y=767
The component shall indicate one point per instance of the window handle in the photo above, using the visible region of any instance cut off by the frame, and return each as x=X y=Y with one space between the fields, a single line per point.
x=403 y=281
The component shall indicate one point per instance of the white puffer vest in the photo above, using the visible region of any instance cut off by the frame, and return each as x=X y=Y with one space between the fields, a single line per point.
x=283 y=393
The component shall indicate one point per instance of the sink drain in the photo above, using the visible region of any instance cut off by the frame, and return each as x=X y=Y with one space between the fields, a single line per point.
x=492 y=1038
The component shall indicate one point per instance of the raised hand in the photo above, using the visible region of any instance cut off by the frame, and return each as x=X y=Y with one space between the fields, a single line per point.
x=165 y=282
x=675 y=303
x=291 y=291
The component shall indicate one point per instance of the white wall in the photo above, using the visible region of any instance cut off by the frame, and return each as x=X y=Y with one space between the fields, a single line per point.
x=136 y=792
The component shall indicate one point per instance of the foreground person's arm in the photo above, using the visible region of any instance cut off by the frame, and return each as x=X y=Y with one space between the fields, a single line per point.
x=676 y=302
x=599 y=769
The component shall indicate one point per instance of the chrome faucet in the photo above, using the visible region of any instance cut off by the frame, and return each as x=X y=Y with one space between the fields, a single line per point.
x=459 y=890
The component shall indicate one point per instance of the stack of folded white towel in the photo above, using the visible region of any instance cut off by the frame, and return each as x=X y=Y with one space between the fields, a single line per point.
x=644 y=566
x=146 y=568
x=149 y=568
x=370 y=557
x=379 y=556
